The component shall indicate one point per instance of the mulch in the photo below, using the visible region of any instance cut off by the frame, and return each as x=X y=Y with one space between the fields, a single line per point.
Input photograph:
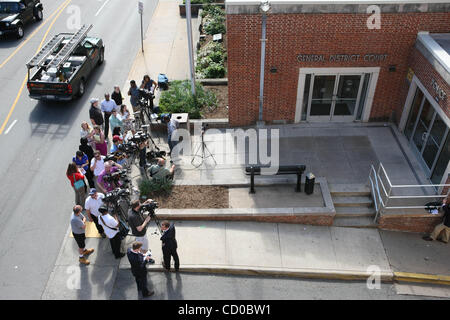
x=195 y=197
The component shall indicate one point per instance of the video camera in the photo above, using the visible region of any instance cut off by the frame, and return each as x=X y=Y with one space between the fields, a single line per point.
x=115 y=176
x=128 y=147
x=139 y=137
x=115 y=195
x=149 y=207
x=155 y=154
x=145 y=94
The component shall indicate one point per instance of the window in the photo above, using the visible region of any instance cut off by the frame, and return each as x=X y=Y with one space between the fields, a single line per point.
x=9 y=7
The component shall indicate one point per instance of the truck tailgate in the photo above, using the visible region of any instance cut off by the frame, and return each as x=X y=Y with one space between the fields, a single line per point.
x=48 y=90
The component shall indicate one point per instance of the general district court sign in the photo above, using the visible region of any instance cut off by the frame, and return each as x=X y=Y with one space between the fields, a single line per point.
x=369 y=57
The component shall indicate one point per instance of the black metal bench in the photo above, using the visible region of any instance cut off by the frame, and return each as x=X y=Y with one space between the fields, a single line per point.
x=256 y=171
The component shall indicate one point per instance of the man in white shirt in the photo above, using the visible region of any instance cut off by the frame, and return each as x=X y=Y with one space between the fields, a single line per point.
x=97 y=166
x=93 y=202
x=107 y=106
x=111 y=226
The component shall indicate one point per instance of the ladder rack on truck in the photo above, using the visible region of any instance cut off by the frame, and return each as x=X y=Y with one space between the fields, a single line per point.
x=65 y=52
x=63 y=65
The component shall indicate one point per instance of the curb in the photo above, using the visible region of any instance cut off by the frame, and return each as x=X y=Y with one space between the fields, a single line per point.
x=386 y=276
x=421 y=278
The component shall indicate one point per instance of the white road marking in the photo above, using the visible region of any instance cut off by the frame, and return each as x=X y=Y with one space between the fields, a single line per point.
x=101 y=7
x=10 y=126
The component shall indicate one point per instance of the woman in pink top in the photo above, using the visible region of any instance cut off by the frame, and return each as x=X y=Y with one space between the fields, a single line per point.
x=100 y=142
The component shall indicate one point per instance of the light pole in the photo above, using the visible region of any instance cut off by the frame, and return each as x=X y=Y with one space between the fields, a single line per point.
x=264 y=8
x=190 y=48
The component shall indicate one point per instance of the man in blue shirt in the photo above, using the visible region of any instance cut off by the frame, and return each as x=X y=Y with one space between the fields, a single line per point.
x=134 y=95
x=172 y=125
x=117 y=141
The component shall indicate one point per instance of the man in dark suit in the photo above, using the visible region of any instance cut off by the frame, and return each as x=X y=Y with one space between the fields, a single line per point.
x=138 y=269
x=169 y=245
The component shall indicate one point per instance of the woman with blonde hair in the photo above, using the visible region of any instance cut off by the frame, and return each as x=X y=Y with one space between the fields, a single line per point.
x=87 y=132
x=100 y=141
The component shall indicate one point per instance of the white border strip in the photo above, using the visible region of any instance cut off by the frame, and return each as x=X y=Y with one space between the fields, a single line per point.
x=368 y=2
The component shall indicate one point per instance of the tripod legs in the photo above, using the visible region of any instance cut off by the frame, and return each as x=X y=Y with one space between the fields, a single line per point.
x=204 y=155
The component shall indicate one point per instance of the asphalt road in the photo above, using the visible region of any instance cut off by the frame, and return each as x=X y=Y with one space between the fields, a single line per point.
x=36 y=197
x=186 y=286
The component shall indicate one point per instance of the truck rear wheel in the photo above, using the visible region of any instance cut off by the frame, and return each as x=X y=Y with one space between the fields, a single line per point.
x=81 y=88
x=39 y=15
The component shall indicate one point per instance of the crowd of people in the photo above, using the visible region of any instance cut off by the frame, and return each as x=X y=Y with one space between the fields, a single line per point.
x=90 y=163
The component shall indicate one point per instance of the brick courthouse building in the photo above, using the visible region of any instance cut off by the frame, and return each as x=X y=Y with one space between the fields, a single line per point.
x=325 y=63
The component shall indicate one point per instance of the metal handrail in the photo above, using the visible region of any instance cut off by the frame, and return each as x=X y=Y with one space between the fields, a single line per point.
x=376 y=180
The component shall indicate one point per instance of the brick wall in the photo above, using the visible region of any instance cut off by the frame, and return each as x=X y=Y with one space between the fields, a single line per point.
x=411 y=223
x=291 y=34
x=314 y=219
x=446 y=190
x=425 y=72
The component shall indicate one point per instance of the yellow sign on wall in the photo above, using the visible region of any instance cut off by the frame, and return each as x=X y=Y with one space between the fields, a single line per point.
x=410 y=74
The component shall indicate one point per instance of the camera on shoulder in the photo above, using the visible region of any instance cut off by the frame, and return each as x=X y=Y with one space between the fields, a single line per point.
x=149 y=207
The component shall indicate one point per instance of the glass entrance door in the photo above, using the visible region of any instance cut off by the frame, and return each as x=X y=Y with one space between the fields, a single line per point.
x=346 y=97
x=322 y=97
x=426 y=131
x=334 y=97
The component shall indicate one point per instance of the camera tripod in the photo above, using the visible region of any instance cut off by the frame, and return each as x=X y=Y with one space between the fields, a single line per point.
x=205 y=153
x=157 y=222
x=118 y=210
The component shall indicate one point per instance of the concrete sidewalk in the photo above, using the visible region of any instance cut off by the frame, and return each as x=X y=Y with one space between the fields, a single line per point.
x=251 y=248
x=165 y=47
x=275 y=249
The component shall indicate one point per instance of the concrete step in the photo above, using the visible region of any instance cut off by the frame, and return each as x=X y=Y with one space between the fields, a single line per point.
x=355 y=211
x=349 y=190
x=361 y=201
x=356 y=222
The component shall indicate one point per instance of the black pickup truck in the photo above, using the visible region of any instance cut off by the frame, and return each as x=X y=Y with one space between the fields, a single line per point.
x=64 y=65
x=14 y=14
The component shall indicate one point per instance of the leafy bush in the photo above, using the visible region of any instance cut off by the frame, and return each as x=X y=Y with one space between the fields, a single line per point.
x=211 y=61
x=212 y=10
x=155 y=187
x=213 y=19
x=199 y=1
x=214 y=70
x=179 y=99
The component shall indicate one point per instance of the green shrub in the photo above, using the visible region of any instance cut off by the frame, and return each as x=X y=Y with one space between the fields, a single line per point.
x=214 y=70
x=179 y=99
x=199 y=1
x=213 y=19
x=155 y=187
x=211 y=61
x=212 y=10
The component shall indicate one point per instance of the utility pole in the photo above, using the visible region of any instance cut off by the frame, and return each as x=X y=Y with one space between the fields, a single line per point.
x=190 y=46
x=264 y=8
x=141 y=11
